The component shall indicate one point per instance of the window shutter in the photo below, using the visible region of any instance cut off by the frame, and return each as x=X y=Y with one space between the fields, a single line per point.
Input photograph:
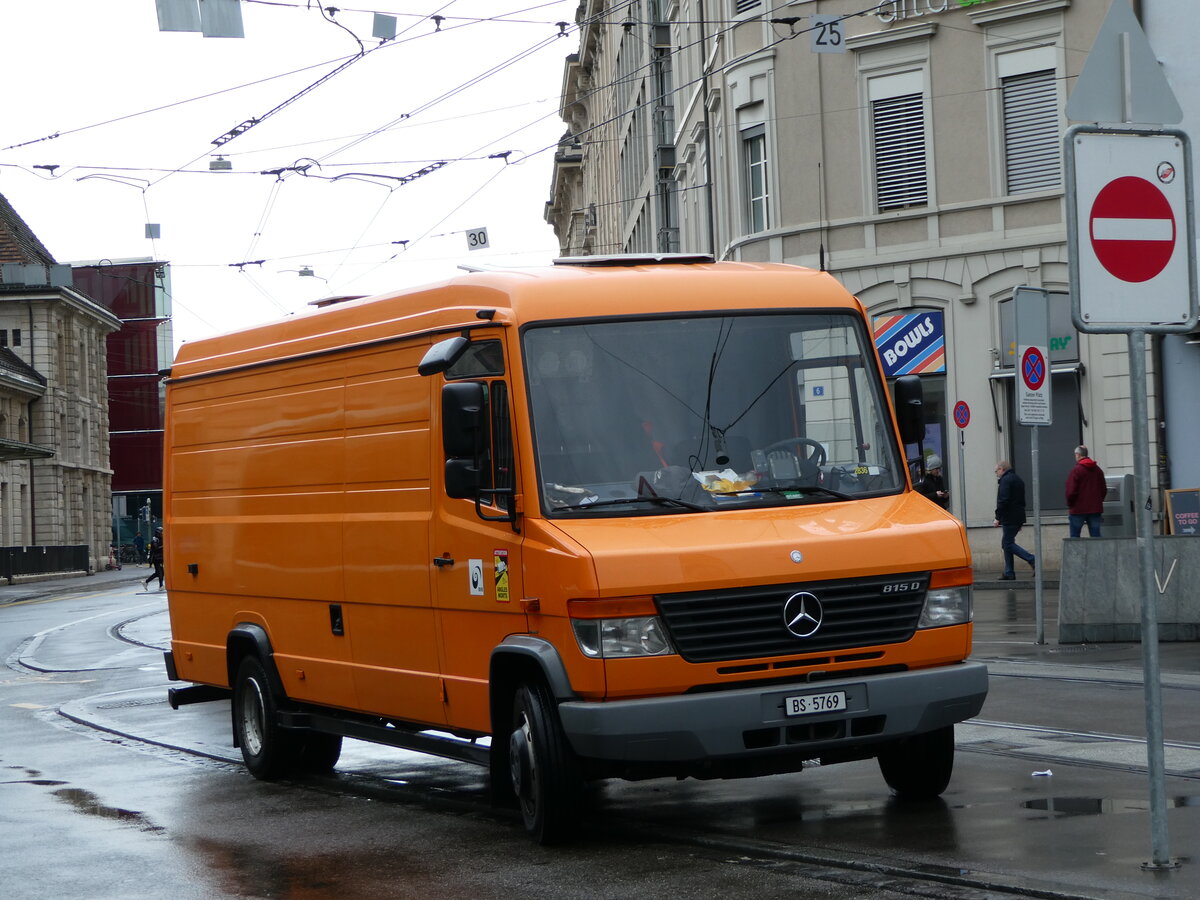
x=741 y=7
x=1032 y=159
x=899 y=130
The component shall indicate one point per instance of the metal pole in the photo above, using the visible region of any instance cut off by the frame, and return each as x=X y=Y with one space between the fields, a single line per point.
x=962 y=475
x=1038 y=603
x=709 y=147
x=1150 y=667
x=1126 y=80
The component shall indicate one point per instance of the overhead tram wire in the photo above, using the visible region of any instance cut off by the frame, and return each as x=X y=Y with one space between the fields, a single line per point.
x=166 y=106
x=239 y=130
x=680 y=87
x=499 y=67
x=435 y=225
x=452 y=92
x=513 y=60
x=258 y=234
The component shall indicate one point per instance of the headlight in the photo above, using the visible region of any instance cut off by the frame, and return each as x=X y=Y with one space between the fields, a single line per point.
x=946 y=606
x=609 y=638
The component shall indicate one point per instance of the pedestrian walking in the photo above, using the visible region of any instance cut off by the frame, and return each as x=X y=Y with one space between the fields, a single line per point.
x=139 y=547
x=1010 y=516
x=1086 y=489
x=156 y=560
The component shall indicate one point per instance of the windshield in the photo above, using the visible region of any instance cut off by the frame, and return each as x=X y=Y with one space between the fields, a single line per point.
x=686 y=414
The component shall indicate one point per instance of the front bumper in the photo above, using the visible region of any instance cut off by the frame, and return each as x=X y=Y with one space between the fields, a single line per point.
x=748 y=724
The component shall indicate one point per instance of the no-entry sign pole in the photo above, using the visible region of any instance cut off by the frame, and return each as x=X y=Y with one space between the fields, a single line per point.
x=1131 y=236
x=1155 y=755
x=1134 y=271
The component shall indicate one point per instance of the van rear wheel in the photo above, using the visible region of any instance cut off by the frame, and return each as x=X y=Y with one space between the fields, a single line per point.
x=542 y=766
x=919 y=767
x=267 y=749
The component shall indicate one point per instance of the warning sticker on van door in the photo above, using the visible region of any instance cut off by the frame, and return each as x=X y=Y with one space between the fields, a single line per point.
x=475 y=574
x=501 y=560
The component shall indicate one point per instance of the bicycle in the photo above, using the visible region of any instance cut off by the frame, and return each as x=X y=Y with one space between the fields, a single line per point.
x=128 y=553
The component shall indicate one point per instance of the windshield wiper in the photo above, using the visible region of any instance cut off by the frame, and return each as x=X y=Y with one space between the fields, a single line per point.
x=807 y=489
x=620 y=501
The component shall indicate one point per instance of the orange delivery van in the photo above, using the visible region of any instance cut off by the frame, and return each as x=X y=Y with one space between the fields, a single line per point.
x=614 y=518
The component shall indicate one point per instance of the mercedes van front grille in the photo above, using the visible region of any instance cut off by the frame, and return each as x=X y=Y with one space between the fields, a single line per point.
x=751 y=623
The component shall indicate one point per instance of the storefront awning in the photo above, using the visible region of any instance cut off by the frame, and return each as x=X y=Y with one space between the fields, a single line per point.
x=1075 y=368
x=1062 y=369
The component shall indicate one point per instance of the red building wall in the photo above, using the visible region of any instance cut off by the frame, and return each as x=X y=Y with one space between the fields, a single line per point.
x=133 y=292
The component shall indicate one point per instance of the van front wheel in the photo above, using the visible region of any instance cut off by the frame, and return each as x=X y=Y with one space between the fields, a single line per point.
x=543 y=769
x=919 y=767
x=268 y=750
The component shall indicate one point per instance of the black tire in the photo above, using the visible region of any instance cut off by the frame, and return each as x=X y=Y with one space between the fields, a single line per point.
x=919 y=767
x=500 y=785
x=268 y=750
x=319 y=752
x=543 y=771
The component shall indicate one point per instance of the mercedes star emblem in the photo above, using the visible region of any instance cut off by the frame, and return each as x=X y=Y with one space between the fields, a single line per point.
x=802 y=614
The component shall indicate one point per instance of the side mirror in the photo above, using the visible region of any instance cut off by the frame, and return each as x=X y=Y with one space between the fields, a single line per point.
x=464 y=405
x=910 y=410
x=442 y=355
x=463 y=479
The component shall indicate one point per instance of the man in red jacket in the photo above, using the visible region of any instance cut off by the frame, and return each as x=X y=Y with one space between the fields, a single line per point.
x=1085 y=494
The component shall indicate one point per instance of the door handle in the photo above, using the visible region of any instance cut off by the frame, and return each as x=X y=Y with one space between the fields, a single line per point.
x=443 y=562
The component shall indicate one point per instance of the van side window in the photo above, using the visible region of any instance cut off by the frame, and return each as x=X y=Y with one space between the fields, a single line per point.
x=502 y=441
x=481 y=359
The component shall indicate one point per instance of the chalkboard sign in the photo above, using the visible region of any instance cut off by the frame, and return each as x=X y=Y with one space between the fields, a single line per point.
x=1183 y=511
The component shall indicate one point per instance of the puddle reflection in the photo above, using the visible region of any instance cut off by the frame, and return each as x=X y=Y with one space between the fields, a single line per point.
x=89 y=804
x=1062 y=807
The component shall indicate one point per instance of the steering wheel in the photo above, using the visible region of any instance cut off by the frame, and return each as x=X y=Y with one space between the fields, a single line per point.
x=812 y=455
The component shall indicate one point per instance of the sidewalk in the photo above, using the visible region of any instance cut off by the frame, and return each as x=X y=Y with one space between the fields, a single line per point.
x=71 y=583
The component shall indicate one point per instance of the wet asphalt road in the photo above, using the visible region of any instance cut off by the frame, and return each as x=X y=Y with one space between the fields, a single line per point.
x=107 y=792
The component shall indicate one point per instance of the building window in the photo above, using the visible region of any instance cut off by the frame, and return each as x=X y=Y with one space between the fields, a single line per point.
x=898 y=142
x=1032 y=158
x=16 y=337
x=3 y=337
x=754 y=161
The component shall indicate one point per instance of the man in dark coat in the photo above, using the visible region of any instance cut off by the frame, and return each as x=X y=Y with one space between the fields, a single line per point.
x=1010 y=516
x=1086 y=488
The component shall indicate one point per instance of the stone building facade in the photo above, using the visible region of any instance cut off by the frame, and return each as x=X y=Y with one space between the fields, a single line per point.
x=913 y=150
x=54 y=457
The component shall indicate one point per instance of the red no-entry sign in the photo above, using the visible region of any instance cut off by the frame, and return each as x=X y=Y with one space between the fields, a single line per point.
x=1129 y=230
x=1132 y=229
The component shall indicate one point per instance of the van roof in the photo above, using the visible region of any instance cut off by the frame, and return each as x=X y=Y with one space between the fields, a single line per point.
x=570 y=289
